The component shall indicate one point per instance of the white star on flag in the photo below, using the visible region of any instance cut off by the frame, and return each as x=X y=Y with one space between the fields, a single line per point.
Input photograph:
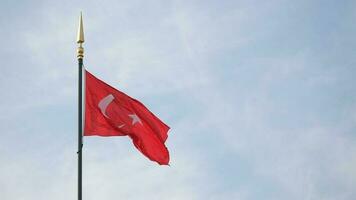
x=135 y=119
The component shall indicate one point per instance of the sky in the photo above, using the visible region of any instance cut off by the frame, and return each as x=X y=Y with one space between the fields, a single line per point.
x=260 y=97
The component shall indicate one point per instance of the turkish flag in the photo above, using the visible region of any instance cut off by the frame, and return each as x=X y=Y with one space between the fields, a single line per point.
x=109 y=112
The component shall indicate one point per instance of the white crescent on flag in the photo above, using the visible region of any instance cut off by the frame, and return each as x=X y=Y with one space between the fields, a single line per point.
x=104 y=103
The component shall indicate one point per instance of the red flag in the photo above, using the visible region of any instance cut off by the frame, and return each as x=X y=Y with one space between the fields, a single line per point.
x=109 y=112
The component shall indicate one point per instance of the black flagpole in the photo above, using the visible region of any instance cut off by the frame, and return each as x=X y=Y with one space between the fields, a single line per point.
x=80 y=125
x=80 y=55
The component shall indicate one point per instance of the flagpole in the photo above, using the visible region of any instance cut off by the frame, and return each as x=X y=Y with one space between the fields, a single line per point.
x=80 y=55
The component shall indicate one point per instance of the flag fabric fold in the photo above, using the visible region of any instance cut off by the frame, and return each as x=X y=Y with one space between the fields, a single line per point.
x=109 y=112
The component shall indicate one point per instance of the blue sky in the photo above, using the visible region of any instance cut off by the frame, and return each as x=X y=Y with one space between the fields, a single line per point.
x=260 y=97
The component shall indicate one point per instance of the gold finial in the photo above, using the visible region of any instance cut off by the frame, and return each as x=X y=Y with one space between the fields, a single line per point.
x=80 y=37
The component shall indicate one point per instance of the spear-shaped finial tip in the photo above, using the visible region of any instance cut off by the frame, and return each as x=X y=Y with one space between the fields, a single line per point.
x=80 y=36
